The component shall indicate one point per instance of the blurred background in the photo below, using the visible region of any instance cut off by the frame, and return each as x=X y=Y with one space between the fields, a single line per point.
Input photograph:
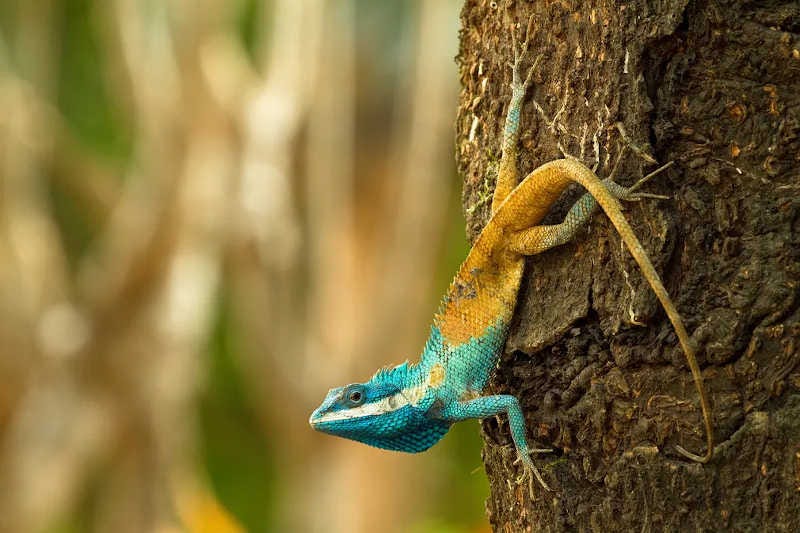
x=212 y=211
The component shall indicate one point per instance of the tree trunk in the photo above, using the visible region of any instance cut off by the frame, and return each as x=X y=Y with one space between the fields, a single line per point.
x=714 y=87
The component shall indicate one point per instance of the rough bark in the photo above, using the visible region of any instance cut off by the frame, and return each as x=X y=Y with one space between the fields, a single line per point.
x=715 y=87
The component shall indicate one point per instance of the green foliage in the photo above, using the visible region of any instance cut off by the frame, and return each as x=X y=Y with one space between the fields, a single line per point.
x=460 y=500
x=75 y=228
x=83 y=92
x=235 y=451
x=248 y=16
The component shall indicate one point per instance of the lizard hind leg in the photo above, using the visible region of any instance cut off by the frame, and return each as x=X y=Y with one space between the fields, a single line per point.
x=507 y=175
x=537 y=239
x=538 y=191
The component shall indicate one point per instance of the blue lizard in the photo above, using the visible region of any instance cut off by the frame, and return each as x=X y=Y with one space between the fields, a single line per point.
x=411 y=406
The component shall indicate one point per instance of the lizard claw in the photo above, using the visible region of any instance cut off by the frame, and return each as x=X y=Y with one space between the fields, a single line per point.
x=530 y=471
x=517 y=83
x=645 y=179
x=629 y=194
x=518 y=56
x=638 y=196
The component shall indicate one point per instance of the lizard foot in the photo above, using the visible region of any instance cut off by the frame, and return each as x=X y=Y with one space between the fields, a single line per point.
x=629 y=194
x=531 y=472
x=637 y=196
x=518 y=85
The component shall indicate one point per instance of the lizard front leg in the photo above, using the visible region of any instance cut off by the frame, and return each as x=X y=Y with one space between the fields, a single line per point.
x=487 y=406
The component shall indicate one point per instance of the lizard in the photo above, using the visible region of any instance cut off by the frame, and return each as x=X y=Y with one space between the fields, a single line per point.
x=410 y=407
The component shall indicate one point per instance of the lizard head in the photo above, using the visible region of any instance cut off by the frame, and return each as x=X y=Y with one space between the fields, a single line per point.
x=383 y=412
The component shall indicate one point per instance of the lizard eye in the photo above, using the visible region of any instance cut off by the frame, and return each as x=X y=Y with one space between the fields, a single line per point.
x=355 y=396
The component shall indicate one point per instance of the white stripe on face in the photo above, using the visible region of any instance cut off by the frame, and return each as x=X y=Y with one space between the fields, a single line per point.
x=389 y=404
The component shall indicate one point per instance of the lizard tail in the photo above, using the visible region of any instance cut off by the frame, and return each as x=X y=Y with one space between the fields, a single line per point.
x=551 y=179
